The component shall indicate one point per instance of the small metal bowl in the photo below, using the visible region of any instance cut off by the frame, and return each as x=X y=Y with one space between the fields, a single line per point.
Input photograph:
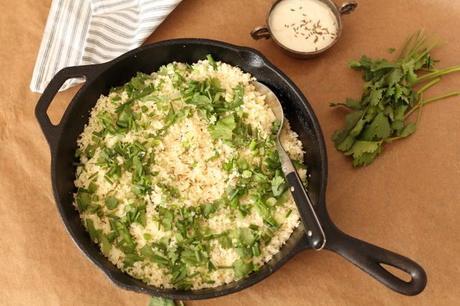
x=265 y=32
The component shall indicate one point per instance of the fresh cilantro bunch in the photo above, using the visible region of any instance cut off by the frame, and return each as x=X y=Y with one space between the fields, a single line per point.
x=158 y=301
x=393 y=91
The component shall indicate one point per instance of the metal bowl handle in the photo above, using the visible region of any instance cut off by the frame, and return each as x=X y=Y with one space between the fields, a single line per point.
x=371 y=258
x=50 y=130
x=260 y=32
x=348 y=7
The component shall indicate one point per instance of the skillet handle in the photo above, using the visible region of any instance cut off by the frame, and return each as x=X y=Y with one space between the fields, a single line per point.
x=370 y=258
x=50 y=130
x=314 y=231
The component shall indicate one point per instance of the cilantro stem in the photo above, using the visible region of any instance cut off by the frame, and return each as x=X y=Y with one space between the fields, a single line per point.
x=409 y=45
x=438 y=73
x=445 y=96
x=428 y=86
x=391 y=139
x=340 y=105
x=419 y=114
x=431 y=100
x=425 y=52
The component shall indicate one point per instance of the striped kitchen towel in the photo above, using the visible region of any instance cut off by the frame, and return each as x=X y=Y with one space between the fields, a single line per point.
x=80 y=32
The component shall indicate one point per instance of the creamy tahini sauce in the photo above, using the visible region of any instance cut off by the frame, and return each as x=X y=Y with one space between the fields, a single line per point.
x=303 y=25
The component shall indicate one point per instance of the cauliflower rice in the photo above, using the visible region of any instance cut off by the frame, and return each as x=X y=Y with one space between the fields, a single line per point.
x=179 y=180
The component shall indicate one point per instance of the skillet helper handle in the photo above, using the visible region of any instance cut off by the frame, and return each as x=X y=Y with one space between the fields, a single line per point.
x=313 y=229
x=370 y=258
x=50 y=130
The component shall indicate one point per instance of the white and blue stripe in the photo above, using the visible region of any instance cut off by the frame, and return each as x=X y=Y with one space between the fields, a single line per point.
x=80 y=32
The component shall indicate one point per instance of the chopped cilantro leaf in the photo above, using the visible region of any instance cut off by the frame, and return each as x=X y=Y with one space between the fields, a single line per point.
x=211 y=61
x=83 y=200
x=111 y=202
x=223 y=129
x=242 y=268
x=278 y=185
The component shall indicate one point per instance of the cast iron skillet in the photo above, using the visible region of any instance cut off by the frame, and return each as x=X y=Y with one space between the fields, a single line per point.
x=100 y=78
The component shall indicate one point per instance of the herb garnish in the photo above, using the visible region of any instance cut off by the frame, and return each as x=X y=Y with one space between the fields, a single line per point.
x=158 y=301
x=184 y=249
x=393 y=91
